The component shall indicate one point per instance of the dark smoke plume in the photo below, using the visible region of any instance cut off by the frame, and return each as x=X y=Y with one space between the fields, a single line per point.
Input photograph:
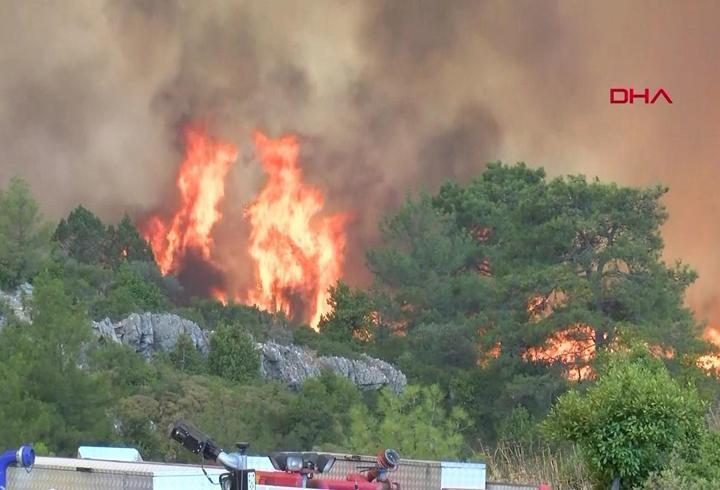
x=387 y=96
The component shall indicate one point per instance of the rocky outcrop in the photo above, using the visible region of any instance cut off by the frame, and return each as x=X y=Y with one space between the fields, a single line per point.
x=14 y=301
x=152 y=332
x=292 y=365
x=148 y=333
x=289 y=364
x=366 y=372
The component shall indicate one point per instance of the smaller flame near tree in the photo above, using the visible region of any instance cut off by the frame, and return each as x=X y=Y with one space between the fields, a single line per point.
x=297 y=253
x=711 y=362
x=573 y=347
x=220 y=295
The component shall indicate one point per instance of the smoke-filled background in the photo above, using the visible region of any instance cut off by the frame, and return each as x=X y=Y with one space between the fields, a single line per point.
x=386 y=97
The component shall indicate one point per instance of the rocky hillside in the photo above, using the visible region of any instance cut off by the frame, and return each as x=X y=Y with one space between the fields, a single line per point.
x=149 y=333
x=292 y=365
x=13 y=303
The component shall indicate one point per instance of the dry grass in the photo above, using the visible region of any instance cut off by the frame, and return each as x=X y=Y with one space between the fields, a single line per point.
x=532 y=465
x=713 y=417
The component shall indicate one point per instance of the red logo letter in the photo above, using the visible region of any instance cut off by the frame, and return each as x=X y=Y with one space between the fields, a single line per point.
x=645 y=96
x=623 y=93
x=664 y=94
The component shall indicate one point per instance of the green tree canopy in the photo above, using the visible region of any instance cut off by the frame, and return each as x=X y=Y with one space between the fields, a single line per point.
x=185 y=356
x=319 y=417
x=24 y=236
x=351 y=318
x=82 y=236
x=130 y=293
x=422 y=268
x=488 y=273
x=589 y=252
x=415 y=423
x=125 y=244
x=66 y=404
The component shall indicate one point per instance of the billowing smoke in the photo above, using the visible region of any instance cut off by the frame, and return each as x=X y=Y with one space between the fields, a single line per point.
x=387 y=96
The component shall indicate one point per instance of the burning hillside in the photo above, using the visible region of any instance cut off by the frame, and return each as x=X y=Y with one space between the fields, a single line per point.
x=296 y=253
x=574 y=347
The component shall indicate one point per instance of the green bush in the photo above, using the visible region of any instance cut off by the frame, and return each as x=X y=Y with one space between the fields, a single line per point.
x=233 y=354
x=185 y=357
x=630 y=422
x=351 y=318
x=519 y=428
x=670 y=480
x=324 y=344
x=46 y=394
x=126 y=369
x=129 y=293
x=698 y=470
x=211 y=314
x=319 y=417
x=414 y=422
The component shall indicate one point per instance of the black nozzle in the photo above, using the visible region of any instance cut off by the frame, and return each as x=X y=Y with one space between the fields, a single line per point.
x=194 y=440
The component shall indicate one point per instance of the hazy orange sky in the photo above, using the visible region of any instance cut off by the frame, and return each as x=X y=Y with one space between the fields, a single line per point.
x=385 y=95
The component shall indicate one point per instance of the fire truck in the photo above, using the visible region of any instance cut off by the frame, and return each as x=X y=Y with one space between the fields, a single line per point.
x=124 y=469
x=294 y=469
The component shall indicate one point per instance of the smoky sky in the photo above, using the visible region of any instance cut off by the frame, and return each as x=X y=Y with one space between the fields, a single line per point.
x=387 y=97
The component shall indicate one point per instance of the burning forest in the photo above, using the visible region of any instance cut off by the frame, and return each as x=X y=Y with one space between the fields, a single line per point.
x=379 y=108
x=296 y=250
x=219 y=185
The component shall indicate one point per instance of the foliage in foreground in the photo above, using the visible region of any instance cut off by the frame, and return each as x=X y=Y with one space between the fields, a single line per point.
x=631 y=421
x=700 y=471
x=415 y=422
x=47 y=395
x=24 y=235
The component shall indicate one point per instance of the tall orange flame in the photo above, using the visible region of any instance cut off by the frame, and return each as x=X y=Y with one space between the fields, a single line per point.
x=201 y=182
x=298 y=255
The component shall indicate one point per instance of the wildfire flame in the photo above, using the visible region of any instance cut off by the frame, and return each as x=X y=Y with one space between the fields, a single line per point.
x=711 y=362
x=574 y=347
x=298 y=255
x=219 y=295
x=201 y=182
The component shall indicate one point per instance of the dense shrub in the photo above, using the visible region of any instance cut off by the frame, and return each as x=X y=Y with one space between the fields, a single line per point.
x=629 y=423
